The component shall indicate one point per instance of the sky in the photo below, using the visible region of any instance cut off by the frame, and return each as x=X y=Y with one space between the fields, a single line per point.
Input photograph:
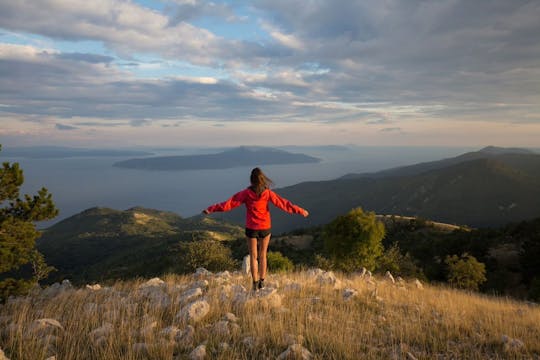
x=119 y=73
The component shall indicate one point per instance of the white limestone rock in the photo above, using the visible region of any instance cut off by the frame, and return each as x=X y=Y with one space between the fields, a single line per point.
x=102 y=332
x=314 y=272
x=225 y=293
x=202 y=272
x=511 y=345
x=203 y=284
x=390 y=277
x=154 y=282
x=348 y=294
x=246 y=265
x=328 y=278
x=170 y=332
x=199 y=353
x=186 y=337
x=56 y=289
x=291 y=339
x=48 y=323
x=155 y=295
x=194 y=312
x=191 y=294
x=224 y=275
x=221 y=328
x=295 y=351
x=363 y=272
x=230 y=317
x=269 y=296
x=418 y=284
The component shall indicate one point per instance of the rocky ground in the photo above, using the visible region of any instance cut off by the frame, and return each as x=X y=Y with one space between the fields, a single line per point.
x=307 y=315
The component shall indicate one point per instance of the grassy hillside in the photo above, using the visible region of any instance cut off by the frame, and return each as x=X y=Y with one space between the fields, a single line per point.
x=482 y=192
x=312 y=314
x=102 y=243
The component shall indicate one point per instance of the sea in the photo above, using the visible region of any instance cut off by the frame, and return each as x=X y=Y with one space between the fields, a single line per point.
x=79 y=183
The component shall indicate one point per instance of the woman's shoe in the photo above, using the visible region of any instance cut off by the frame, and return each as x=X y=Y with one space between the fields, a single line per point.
x=261 y=284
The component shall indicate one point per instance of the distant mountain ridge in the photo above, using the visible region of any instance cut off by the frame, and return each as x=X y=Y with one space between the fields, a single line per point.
x=241 y=156
x=485 y=153
x=490 y=187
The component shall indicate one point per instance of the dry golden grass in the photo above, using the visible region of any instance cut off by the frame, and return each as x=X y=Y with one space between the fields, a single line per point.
x=382 y=321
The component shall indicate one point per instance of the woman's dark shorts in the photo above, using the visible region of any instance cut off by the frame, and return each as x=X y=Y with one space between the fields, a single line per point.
x=257 y=234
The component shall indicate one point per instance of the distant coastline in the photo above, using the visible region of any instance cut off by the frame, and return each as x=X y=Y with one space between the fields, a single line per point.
x=60 y=152
x=237 y=157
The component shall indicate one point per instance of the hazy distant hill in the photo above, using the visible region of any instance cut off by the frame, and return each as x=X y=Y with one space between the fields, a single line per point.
x=485 y=153
x=101 y=243
x=493 y=186
x=242 y=156
x=44 y=152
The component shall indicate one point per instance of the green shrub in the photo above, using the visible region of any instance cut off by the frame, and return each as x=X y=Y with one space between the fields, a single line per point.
x=209 y=254
x=354 y=240
x=323 y=263
x=278 y=263
x=465 y=272
x=397 y=263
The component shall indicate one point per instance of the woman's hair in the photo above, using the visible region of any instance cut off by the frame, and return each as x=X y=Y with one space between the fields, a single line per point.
x=259 y=181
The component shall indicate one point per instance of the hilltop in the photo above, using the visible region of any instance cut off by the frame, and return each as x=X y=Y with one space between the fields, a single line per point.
x=241 y=156
x=308 y=315
x=103 y=243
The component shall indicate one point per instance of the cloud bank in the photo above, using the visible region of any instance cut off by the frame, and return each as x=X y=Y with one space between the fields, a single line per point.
x=383 y=68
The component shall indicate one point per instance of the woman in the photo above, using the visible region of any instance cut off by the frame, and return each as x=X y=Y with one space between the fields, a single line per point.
x=258 y=223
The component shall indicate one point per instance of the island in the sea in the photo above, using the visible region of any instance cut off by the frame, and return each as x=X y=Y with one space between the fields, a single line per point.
x=236 y=157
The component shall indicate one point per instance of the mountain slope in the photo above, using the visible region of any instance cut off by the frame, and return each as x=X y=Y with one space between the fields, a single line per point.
x=242 y=156
x=485 y=153
x=476 y=189
x=101 y=243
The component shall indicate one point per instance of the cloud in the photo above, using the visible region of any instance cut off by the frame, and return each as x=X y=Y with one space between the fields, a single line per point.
x=381 y=121
x=140 y=122
x=188 y=10
x=65 y=127
x=367 y=62
x=391 y=129
x=122 y=25
x=91 y=58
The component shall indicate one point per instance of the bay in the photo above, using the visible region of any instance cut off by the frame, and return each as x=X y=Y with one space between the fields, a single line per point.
x=81 y=183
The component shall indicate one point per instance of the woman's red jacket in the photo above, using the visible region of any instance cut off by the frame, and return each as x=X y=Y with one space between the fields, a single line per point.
x=257 y=211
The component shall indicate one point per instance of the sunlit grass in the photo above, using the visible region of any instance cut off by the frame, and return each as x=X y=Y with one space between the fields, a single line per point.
x=382 y=321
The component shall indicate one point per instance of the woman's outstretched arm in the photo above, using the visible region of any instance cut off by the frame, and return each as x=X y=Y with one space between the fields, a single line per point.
x=235 y=201
x=286 y=205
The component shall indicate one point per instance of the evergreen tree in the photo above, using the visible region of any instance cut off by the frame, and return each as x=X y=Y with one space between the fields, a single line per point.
x=21 y=265
x=354 y=240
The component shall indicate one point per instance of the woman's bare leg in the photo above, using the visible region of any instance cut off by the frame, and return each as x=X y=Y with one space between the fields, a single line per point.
x=252 y=246
x=263 y=247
